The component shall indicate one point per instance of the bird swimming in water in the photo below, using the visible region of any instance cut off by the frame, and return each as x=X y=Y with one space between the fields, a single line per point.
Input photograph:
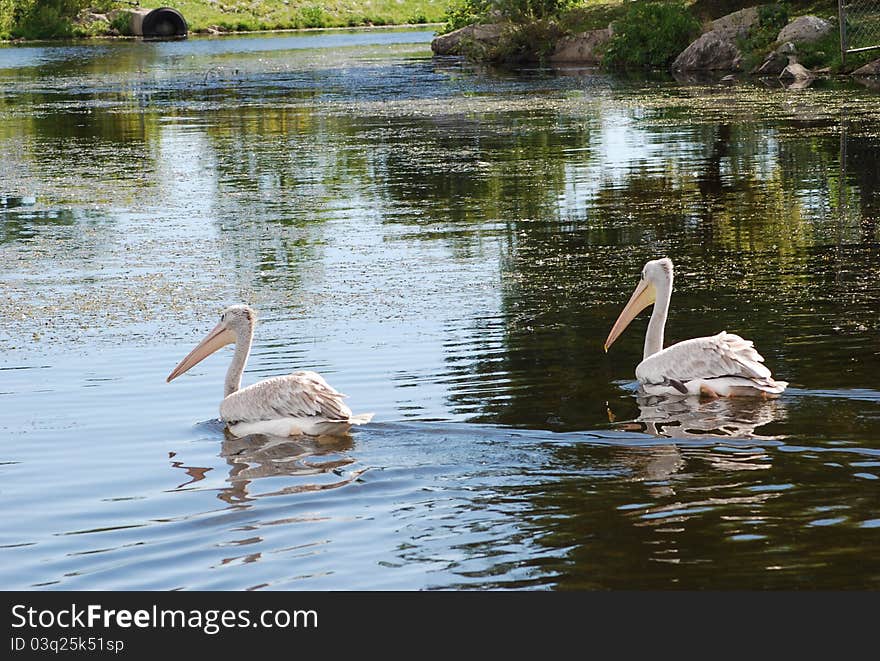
x=722 y=365
x=289 y=405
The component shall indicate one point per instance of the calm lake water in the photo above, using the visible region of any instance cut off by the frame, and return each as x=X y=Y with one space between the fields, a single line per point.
x=449 y=245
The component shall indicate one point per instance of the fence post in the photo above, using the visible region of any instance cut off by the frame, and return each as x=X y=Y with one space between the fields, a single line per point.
x=841 y=17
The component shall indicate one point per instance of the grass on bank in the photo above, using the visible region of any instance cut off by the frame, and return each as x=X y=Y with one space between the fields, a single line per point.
x=50 y=19
x=248 y=15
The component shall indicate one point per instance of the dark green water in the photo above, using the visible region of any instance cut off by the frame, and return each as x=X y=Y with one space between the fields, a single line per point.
x=449 y=246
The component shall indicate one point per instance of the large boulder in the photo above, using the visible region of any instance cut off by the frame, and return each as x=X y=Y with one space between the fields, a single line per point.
x=870 y=69
x=805 y=30
x=583 y=48
x=796 y=72
x=712 y=51
x=738 y=23
x=776 y=61
x=452 y=42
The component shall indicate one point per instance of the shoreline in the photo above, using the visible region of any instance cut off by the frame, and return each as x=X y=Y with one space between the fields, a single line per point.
x=219 y=33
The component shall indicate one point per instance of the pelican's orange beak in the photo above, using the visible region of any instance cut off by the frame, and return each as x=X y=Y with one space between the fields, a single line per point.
x=644 y=295
x=216 y=339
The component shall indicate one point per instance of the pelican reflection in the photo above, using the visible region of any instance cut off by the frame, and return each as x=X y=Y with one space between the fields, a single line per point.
x=303 y=464
x=284 y=465
x=705 y=431
x=721 y=418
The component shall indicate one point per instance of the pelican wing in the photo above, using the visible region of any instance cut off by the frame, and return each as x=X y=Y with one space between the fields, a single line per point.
x=720 y=355
x=297 y=395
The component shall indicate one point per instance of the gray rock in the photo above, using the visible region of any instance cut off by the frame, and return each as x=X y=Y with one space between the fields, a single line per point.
x=800 y=85
x=776 y=61
x=870 y=69
x=804 y=30
x=738 y=23
x=451 y=43
x=712 y=51
x=773 y=65
x=796 y=72
x=871 y=82
x=583 y=48
x=87 y=18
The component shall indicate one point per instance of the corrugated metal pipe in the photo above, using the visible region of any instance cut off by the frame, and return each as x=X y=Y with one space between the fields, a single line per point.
x=161 y=23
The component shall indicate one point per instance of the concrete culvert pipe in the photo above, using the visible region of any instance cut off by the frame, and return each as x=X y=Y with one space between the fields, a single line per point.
x=161 y=23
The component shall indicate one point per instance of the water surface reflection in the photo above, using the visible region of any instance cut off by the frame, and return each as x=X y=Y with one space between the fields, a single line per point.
x=449 y=245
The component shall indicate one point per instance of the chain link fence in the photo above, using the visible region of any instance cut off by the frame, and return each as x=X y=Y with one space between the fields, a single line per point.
x=859 y=25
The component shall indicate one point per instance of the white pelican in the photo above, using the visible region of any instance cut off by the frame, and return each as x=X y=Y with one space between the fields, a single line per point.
x=722 y=365
x=290 y=405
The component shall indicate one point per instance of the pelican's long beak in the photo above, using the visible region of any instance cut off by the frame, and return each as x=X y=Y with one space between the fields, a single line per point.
x=644 y=295
x=216 y=339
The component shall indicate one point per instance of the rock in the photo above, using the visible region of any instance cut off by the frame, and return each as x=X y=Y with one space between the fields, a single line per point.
x=90 y=20
x=712 y=51
x=795 y=72
x=773 y=65
x=736 y=24
x=451 y=43
x=776 y=61
x=805 y=30
x=870 y=69
x=583 y=48
x=871 y=82
x=800 y=85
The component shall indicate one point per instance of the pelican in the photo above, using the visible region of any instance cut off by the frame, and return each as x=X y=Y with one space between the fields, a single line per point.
x=722 y=365
x=290 y=405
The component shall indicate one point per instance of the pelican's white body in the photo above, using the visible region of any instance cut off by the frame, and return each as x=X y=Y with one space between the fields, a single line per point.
x=722 y=365
x=290 y=405
x=725 y=365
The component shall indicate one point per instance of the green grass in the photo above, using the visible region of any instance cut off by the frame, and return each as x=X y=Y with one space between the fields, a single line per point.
x=247 y=15
x=593 y=15
x=39 y=19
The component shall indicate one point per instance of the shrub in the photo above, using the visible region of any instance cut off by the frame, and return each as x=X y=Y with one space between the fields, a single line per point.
x=313 y=16
x=651 y=34
x=460 y=13
x=528 y=10
x=122 y=24
x=42 y=19
x=772 y=17
x=465 y=12
x=7 y=17
x=756 y=44
x=525 y=42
